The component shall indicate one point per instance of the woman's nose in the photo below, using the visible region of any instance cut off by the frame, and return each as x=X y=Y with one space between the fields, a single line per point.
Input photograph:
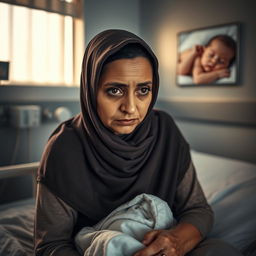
x=129 y=104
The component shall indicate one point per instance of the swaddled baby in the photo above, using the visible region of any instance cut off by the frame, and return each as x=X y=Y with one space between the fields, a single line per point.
x=122 y=231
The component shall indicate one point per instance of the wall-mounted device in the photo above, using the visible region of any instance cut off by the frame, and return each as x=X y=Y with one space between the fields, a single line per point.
x=4 y=70
x=25 y=116
x=60 y=114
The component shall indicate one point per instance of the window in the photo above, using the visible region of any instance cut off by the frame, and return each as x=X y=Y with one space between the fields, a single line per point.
x=43 y=48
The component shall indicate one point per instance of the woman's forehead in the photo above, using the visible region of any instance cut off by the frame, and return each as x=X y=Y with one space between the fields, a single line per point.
x=139 y=66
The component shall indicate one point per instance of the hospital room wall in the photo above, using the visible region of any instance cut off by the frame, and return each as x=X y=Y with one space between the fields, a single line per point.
x=215 y=119
x=112 y=14
x=23 y=145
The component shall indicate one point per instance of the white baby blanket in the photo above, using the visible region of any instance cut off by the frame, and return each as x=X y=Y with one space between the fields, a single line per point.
x=121 y=232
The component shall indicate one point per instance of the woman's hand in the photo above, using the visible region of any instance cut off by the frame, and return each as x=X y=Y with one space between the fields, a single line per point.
x=161 y=242
x=173 y=242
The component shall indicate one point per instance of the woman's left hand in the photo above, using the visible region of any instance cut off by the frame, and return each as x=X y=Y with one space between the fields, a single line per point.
x=161 y=243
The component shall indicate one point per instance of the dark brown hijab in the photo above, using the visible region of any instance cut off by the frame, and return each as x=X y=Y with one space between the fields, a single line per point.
x=95 y=170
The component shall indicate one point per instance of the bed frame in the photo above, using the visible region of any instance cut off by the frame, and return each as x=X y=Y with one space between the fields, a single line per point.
x=17 y=170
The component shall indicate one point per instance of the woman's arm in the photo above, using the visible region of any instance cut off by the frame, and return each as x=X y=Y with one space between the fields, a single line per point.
x=194 y=216
x=191 y=205
x=54 y=223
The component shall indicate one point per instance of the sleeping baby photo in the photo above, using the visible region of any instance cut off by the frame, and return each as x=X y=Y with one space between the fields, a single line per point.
x=208 y=56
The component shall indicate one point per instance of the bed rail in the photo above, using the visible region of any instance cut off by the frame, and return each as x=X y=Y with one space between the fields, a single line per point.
x=18 y=170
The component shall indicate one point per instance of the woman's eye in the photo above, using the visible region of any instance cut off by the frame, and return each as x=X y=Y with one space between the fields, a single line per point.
x=114 y=91
x=144 y=91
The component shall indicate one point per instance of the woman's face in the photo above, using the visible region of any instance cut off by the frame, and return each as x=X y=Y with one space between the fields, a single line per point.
x=124 y=93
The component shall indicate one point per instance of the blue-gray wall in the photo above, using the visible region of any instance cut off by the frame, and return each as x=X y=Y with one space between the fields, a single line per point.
x=102 y=14
x=30 y=143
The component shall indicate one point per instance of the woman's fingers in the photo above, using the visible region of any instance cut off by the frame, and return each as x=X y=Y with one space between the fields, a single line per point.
x=152 y=249
x=150 y=236
x=162 y=244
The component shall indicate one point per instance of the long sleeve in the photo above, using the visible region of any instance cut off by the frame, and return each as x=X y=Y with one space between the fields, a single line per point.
x=54 y=223
x=191 y=205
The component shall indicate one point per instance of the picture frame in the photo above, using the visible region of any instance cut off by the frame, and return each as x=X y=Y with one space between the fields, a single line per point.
x=209 y=56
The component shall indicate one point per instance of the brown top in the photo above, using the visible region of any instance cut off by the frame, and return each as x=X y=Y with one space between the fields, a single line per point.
x=55 y=220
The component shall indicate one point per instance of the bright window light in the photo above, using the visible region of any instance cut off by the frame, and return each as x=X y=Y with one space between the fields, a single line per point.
x=68 y=54
x=5 y=32
x=55 y=60
x=21 y=42
x=38 y=44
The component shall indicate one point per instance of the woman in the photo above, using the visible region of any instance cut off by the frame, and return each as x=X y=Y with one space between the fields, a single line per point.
x=117 y=148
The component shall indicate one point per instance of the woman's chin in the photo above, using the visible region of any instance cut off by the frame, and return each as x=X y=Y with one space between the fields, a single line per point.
x=123 y=130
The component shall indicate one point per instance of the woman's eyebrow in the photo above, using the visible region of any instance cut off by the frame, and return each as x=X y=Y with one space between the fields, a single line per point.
x=116 y=84
x=145 y=83
x=126 y=85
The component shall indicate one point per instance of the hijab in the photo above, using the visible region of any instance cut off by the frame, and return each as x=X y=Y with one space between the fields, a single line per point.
x=94 y=170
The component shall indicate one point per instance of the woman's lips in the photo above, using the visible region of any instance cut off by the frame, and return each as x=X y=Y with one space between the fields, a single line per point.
x=127 y=122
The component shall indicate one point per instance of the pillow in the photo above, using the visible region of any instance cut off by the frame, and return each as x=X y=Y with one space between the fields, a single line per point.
x=203 y=36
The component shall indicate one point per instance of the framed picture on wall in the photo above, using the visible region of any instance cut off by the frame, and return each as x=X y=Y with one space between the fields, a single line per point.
x=209 y=56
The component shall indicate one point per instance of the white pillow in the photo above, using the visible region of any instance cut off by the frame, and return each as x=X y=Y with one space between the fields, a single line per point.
x=203 y=36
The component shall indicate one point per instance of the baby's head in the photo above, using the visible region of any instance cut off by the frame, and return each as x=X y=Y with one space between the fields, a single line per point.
x=219 y=53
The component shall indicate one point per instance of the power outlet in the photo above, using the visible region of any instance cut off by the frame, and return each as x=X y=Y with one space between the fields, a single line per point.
x=25 y=116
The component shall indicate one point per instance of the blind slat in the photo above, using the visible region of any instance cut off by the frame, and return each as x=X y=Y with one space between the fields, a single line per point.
x=63 y=7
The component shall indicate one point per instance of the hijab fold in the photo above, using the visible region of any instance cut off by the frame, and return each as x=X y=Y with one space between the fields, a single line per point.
x=94 y=170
